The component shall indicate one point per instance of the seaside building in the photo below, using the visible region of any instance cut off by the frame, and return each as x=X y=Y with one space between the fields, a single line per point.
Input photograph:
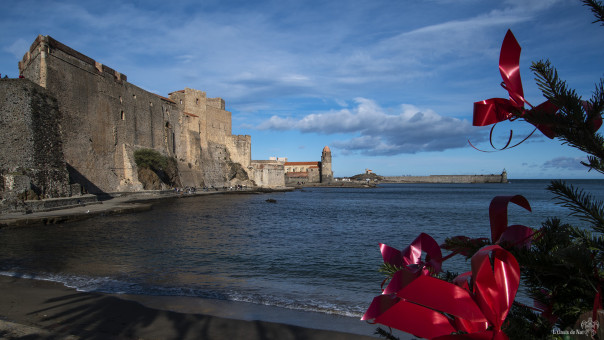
x=310 y=172
x=278 y=170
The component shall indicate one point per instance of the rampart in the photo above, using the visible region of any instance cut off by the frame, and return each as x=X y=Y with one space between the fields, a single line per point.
x=502 y=178
x=104 y=119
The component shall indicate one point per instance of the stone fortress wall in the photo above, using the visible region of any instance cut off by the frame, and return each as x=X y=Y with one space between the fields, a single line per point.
x=104 y=119
x=31 y=144
x=268 y=173
x=502 y=178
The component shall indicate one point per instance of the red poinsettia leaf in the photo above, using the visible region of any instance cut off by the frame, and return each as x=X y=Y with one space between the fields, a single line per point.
x=494 y=110
x=470 y=326
x=517 y=235
x=379 y=305
x=423 y=243
x=391 y=255
x=400 y=279
x=509 y=67
x=495 y=286
x=498 y=213
x=442 y=296
x=417 y=320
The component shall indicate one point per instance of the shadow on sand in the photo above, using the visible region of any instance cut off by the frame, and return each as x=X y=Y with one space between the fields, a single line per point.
x=97 y=316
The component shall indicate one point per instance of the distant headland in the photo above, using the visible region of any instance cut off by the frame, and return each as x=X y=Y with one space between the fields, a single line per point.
x=371 y=177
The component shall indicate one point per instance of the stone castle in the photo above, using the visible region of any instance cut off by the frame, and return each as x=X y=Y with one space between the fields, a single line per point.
x=71 y=123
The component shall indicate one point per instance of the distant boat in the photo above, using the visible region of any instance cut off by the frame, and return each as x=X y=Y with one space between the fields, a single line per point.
x=271 y=200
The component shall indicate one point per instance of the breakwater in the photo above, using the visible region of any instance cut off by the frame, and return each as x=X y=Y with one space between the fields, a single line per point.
x=441 y=179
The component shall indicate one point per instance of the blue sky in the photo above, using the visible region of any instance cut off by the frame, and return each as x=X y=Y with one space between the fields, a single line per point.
x=388 y=85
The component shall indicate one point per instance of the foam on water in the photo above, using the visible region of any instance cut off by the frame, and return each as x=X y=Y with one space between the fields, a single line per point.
x=112 y=286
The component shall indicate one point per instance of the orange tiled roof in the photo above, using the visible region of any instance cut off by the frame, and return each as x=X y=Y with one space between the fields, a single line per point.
x=190 y=114
x=302 y=163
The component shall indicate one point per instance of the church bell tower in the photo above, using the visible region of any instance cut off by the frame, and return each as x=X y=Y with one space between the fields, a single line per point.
x=326 y=173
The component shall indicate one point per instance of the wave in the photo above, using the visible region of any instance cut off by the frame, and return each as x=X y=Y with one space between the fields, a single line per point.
x=109 y=285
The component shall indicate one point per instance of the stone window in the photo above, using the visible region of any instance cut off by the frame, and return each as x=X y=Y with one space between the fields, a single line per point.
x=122 y=115
x=197 y=101
x=134 y=96
x=173 y=143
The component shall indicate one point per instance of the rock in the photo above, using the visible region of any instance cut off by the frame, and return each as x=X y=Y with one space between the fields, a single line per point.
x=149 y=179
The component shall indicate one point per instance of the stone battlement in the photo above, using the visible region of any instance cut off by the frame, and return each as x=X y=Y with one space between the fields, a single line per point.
x=45 y=43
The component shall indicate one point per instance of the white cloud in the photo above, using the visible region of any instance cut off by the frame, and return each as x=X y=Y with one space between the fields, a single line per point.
x=565 y=163
x=379 y=131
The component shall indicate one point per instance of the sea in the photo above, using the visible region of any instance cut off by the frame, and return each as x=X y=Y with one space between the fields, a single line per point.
x=313 y=250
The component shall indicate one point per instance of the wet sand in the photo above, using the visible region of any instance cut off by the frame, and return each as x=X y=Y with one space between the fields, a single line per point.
x=35 y=309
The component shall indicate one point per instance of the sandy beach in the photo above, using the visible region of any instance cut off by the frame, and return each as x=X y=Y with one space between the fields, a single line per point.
x=32 y=309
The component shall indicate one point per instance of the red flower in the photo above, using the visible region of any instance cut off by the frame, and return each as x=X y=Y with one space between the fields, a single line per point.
x=432 y=308
x=410 y=262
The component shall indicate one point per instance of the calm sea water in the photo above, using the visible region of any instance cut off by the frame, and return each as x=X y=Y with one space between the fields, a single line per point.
x=315 y=249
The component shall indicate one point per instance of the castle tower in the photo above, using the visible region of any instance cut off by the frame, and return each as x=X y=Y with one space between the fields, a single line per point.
x=326 y=173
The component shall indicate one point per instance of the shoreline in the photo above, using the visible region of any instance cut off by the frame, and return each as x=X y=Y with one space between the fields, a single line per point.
x=121 y=203
x=48 y=310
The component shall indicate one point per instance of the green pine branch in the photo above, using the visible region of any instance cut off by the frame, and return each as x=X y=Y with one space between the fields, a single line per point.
x=581 y=204
x=574 y=124
x=385 y=334
x=597 y=8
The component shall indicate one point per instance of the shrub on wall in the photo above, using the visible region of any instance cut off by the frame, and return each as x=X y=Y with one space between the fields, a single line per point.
x=164 y=167
x=150 y=159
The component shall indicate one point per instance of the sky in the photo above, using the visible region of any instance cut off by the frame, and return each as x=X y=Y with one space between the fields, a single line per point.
x=388 y=85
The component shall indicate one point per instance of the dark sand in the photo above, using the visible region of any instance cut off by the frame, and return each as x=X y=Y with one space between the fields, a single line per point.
x=31 y=309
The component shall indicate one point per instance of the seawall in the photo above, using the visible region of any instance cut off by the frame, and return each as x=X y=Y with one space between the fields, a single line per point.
x=502 y=178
